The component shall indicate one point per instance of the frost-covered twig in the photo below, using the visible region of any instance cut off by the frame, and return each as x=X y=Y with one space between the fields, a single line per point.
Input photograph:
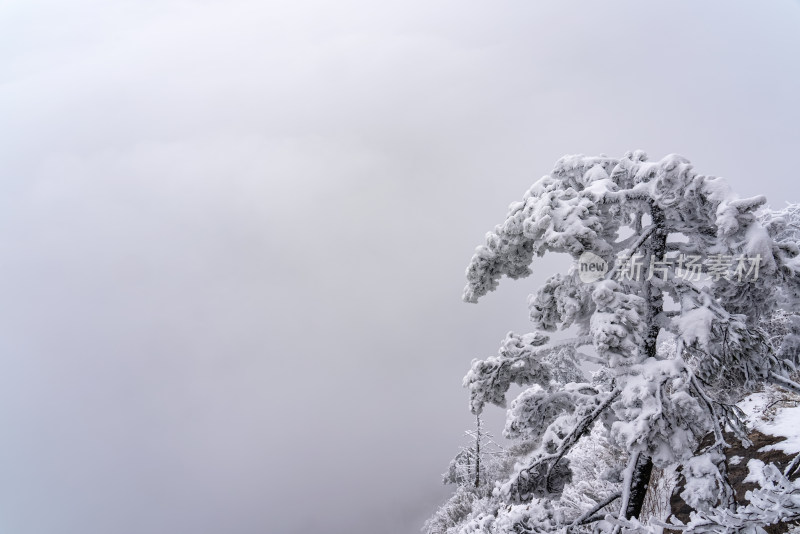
x=784 y=382
x=637 y=239
x=592 y=515
x=719 y=438
x=646 y=233
x=791 y=467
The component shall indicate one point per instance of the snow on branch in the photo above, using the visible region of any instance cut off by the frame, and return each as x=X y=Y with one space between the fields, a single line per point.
x=521 y=360
x=545 y=473
x=592 y=514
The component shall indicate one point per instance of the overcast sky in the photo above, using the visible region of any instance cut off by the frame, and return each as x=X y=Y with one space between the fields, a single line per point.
x=233 y=234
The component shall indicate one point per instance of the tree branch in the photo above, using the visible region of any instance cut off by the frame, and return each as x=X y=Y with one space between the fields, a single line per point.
x=590 y=517
x=785 y=383
x=638 y=243
x=791 y=467
x=577 y=432
x=580 y=428
x=719 y=438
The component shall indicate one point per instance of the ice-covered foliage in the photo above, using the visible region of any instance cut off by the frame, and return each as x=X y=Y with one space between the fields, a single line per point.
x=478 y=463
x=448 y=518
x=685 y=263
x=776 y=500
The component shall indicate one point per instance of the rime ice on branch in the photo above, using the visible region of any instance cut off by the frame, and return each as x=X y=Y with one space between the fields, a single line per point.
x=647 y=405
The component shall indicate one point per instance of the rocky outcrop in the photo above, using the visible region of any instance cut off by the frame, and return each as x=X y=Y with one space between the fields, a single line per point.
x=736 y=458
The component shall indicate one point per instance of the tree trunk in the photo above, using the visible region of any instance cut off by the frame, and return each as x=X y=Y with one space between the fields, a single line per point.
x=639 y=484
x=478 y=453
x=654 y=251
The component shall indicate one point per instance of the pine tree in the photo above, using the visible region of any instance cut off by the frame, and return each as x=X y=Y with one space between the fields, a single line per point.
x=477 y=463
x=661 y=252
x=473 y=470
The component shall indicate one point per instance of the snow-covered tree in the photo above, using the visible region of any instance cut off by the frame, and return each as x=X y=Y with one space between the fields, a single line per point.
x=662 y=253
x=477 y=463
x=473 y=470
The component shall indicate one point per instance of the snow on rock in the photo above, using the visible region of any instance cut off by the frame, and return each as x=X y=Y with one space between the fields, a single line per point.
x=785 y=423
x=755 y=473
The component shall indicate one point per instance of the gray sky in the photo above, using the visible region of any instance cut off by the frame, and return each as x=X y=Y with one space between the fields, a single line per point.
x=233 y=234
